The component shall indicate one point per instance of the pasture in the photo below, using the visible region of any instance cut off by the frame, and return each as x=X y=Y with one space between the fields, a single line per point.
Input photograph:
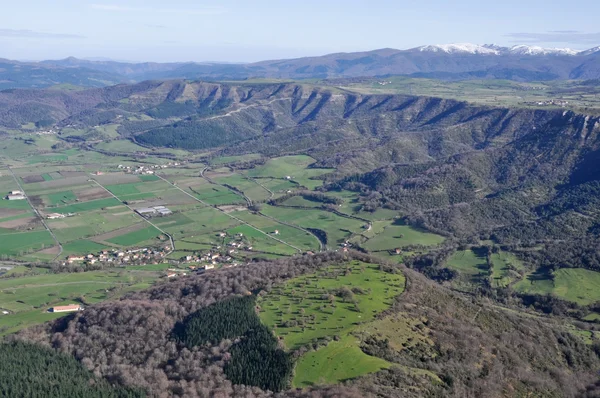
x=295 y=167
x=340 y=360
x=28 y=297
x=331 y=302
x=337 y=228
x=579 y=285
x=398 y=236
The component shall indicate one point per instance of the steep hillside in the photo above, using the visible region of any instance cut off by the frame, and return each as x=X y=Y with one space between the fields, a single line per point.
x=459 y=169
x=456 y=347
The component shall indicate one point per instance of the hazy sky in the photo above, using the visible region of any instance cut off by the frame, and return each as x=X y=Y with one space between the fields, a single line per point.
x=252 y=30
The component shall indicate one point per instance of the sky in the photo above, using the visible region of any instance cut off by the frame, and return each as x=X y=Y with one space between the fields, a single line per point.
x=254 y=30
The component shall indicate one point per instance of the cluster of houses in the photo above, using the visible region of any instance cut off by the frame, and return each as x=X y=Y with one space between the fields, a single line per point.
x=120 y=257
x=560 y=103
x=146 y=169
x=46 y=132
x=16 y=195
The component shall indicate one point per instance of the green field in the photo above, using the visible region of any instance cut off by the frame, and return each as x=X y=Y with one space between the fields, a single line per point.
x=124 y=146
x=14 y=204
x=86 y=206
x=82 y=246
x=329 y=303
x=299 y=201
x=28 y=297
x=235 y=159
x=295 y=167
x=397 y=236
x=340 y=360
x=214 y=194
x=261 y=242
x=62 y=197
x=19 y=243
x=578 y=285
x=148 y=178
x=133 y=238
x=250 y=188
x=293 y=236
x=123 y=189
x=337 y=228
x=505 y=267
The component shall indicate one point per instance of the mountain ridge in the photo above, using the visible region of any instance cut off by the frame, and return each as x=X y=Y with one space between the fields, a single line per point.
x=447 y=62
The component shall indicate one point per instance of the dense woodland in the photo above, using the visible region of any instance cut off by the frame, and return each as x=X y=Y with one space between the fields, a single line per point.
x=31 y=371
x=132 y=341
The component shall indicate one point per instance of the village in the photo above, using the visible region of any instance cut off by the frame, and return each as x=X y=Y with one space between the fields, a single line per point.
x=146 y=169
x=219 y=256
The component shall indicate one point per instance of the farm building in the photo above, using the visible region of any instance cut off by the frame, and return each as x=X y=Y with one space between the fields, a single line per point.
x=53 y=216
x=67 y=308
x=145 y=210
x=15 y=196
x=16 y=193
x=153 y=211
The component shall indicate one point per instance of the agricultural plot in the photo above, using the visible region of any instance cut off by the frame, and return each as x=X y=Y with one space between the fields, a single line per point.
x=260 y=242
x=136 y=237
x=337 y=228
x=121 y=146
x=213 y=194
x=86 y=206
x=296 y=237
x=235 y=159
x=277 y=186
x=60 y=198
x=15 y=244
x=250 y=188
x=299 y=201
x=332 y=302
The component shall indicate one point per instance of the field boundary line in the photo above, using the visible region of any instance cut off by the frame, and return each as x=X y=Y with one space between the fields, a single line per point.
x=231 y=216
x=37 y=213
x=142 y=217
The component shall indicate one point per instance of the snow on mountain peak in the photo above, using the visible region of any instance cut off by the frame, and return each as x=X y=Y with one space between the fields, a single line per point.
x=494 y=49
x=590 y=51
x=456 y=48
x=536 y=50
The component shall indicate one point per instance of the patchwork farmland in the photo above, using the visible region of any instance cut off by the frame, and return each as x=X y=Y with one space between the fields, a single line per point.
x=89 y=211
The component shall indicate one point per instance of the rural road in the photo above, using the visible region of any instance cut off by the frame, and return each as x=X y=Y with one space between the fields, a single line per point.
x=142 y=217
x=37 y=213
x=231 y=216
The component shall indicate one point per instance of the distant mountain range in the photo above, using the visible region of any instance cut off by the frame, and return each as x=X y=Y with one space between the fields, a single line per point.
x=448 y=61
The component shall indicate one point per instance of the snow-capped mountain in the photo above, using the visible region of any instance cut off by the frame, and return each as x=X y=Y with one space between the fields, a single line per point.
x=457 y=48
x=493 y=49
x=536 y=50
x=590 y=51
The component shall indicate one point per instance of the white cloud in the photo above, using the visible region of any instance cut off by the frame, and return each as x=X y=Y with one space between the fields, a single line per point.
x=193 y=11
x=36 y=34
